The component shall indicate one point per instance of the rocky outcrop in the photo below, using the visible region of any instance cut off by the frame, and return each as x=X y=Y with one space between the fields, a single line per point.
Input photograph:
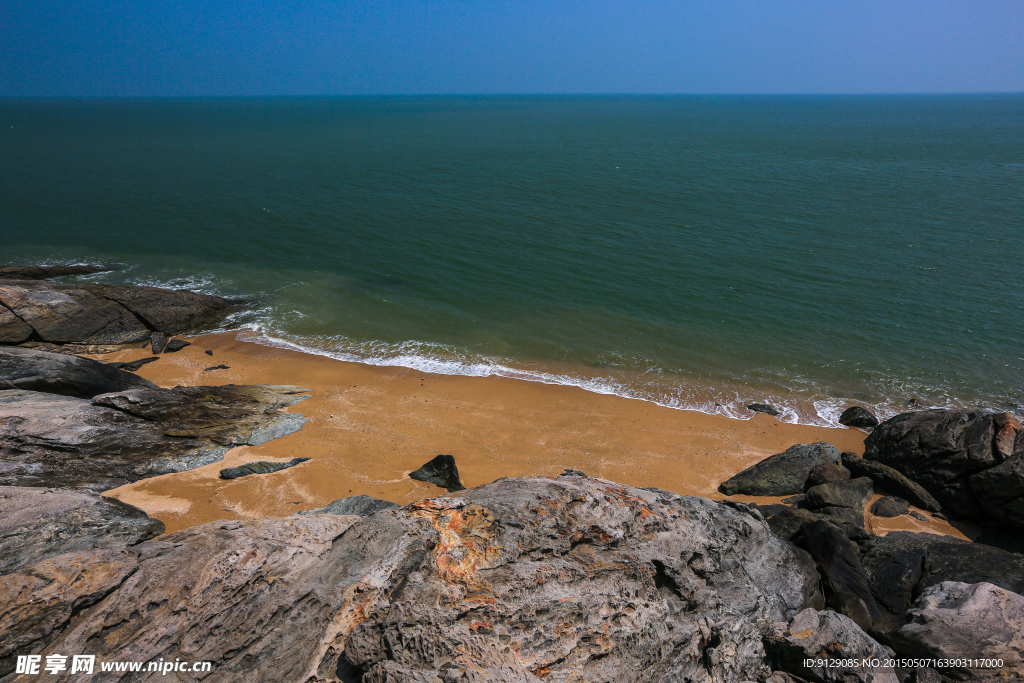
x=891 y=480
x=856 y=416
x=101 y=314
x=353 y=505
x=40 y=522
x=973 y=463
x=518 y=580
x=45 y=272
x=782 y=474
x=814 y=636
x=115 y=438
x=960 y=621
x=58 y=373
x=259 y=467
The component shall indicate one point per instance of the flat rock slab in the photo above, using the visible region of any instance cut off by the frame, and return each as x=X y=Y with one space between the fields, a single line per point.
x=59 y=373
x=41 y=522
x=353 y=505
x=518 y=580
x=116 y=438
x=258 y=467
x=782 y=474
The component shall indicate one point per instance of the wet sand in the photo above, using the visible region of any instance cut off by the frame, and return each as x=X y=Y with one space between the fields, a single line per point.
x=370 y=426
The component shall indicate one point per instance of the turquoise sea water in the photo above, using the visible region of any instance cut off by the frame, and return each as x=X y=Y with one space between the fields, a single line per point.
x=700 y=252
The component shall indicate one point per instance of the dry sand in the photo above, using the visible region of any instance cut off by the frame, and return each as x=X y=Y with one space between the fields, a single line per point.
x=370 y=426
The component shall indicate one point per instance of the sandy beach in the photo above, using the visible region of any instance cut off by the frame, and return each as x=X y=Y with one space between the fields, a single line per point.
x=370 y=426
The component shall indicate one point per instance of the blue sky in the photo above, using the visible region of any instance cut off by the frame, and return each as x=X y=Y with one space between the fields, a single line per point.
x=345 y=47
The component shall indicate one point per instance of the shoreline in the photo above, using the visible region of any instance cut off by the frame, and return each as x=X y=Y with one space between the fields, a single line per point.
x=369 y=426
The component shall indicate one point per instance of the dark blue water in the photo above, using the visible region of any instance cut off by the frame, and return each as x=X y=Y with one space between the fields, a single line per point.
x=700 y=252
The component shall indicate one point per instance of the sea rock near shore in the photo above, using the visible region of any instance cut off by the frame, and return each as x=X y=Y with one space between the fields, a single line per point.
x=521 y=579
x=45 y=272
x=856 y=416
x=67 y=375
x=972 y=462
x=782 y=474
x=40 y=522
x=101 y=314
x=115 y=438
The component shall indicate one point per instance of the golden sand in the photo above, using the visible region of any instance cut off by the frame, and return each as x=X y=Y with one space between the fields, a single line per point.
x=370 y=426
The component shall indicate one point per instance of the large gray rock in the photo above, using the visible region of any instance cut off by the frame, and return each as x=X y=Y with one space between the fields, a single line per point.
x=891 y=480
x=782 y=474
x=856 y=416
x=68 y=442
x=972 y=462
x=69 y=313
x=169 y=310
x=813 y=636
x=518 y=580
x=956 y=621
x=59 y=373
x=361 y=505
x=41 y=522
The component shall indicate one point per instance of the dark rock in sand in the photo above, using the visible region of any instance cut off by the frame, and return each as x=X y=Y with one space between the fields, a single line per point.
x=63 y=314
x=217 y=367
x=57 y=373
x=208 y=352
x=570 y=472
x=827 y=473
x=855 y=416
x=853 y=494
x=40 y=522
x=158 y=342
x=361 y=506
x=973 y=463
x=169 y=310
x=887 y=506
x=258 y=467
x=441 y=471
x=565 y=579
x=175 y=345
x=131 y=366
x=841 y=571
x=891 y=480
x=116 y=438
x=812 y=636
x=764 y=408
x=44 y=272
x=13 y=330
x=782 y=474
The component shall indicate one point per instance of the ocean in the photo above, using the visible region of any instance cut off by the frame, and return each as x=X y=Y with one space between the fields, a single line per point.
x=698 y=252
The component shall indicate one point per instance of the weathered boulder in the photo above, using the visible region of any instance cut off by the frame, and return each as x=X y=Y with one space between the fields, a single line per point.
x=814 y=636
x=960 y=621
x=158 y=342
x=441 y=471
x=58 y=373
x=64 y=441
x=38 y=603
x=782 y=474
x=891 y=480
x=522 y=579
x=361 y=505
x=13 y=330
x=887 y=506
x=40 y=522
x=853 y=494
x=972 y=462
x=169 y=310
x=259 y=467
x=827 y=473
x=176 y=345
x=856 y=416
x=846 y=584
x=44 y=272
x=929 y=559
x=70 y=313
